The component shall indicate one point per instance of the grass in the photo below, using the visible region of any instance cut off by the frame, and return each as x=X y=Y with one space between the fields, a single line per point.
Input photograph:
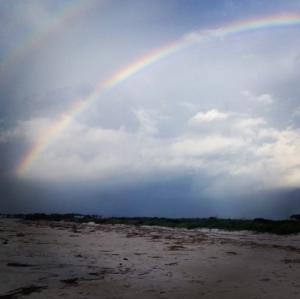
x=280 y=227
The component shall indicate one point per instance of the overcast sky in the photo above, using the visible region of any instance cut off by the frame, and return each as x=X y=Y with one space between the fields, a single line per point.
x=211 y=130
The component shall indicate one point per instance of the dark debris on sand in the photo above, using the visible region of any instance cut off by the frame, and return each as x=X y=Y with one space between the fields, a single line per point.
x=23 y=292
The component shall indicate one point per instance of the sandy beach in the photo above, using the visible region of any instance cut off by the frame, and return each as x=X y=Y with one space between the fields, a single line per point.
x=44 y=259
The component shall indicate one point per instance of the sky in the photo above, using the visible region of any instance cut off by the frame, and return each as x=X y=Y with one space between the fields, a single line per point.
x=150 y=108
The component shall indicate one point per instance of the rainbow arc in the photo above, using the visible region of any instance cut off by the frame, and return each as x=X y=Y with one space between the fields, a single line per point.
x=267 y=22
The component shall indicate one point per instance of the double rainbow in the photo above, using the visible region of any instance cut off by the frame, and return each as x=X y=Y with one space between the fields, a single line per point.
x=267 y=22
x=68 y=12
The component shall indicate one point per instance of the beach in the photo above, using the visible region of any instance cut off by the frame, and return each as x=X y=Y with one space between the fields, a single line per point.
x=57 y=259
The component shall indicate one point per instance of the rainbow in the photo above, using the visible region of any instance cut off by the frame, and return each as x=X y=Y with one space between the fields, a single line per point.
x=267 y=22
x=69 y=11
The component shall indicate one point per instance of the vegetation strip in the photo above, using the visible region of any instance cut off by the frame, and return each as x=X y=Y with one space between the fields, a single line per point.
x=260 y=225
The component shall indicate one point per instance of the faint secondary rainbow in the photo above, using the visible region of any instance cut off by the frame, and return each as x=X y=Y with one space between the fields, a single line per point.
x=69 y=11
x=45 y=139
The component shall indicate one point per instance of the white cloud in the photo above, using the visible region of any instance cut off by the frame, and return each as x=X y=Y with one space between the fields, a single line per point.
x=249 y=125
x=82 y=152
x=202 y=35
x=206 y=145
x=9 y=134
x=297 y=112
x=282 y=156
x=35 y=128
x=265 y=98
x=148 y=120
x=30 y=129
x=209 y=116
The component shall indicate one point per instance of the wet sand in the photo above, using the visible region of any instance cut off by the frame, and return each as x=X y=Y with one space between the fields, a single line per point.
x=44 y=259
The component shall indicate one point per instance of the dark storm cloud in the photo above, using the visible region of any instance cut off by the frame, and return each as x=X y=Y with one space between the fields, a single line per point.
x=172 y=198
